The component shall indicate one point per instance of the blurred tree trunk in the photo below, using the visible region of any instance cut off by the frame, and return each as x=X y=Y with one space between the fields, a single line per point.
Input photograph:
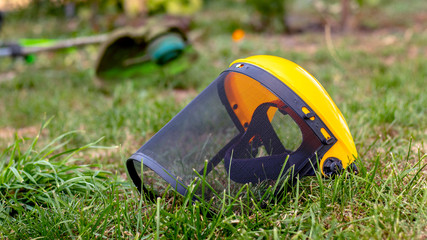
x=286 y=10
x=345 y=16
x=70 y=10
x=1 y=20
x=94 y=8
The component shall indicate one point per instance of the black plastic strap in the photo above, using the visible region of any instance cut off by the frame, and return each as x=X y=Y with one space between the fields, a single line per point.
x=260 y=127
x=248 y=142
x=254 y=170
x=252 y=138
x=219 y=156
x=239 y=159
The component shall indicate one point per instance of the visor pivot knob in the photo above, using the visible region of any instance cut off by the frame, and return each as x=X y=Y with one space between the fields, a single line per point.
x=332 y=167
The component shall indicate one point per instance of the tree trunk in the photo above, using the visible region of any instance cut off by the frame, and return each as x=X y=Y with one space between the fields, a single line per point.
x=345 y=15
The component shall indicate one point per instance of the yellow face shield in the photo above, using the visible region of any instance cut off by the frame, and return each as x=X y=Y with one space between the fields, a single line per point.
x=262 y=116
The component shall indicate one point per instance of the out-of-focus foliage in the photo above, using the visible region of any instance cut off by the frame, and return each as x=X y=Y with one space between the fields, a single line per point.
x=62 y=8
x=272 y=14
x=134 y=7
x=367 y=3
x=371 y=3
x=9 y=5
x=345 y=11
x=175 y=7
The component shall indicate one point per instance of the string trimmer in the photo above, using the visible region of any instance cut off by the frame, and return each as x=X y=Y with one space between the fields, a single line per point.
x=122 y=53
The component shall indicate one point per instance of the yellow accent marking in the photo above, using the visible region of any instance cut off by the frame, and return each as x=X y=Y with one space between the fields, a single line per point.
x=325 y=133
x=305 y=111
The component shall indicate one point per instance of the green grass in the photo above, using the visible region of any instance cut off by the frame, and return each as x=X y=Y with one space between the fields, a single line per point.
x=56 y=181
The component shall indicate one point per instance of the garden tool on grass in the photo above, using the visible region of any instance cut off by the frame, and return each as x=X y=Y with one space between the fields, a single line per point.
x=133 y=52
x=262 y=117
x=27 y=48
x=123 y=53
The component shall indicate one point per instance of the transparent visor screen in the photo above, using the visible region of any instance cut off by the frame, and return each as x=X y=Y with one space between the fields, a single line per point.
x=221 y=113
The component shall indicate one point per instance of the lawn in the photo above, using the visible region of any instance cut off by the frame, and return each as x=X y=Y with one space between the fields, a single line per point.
x=64 y=139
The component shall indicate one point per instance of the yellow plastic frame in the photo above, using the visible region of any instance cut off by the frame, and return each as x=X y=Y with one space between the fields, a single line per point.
x=313 y=94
